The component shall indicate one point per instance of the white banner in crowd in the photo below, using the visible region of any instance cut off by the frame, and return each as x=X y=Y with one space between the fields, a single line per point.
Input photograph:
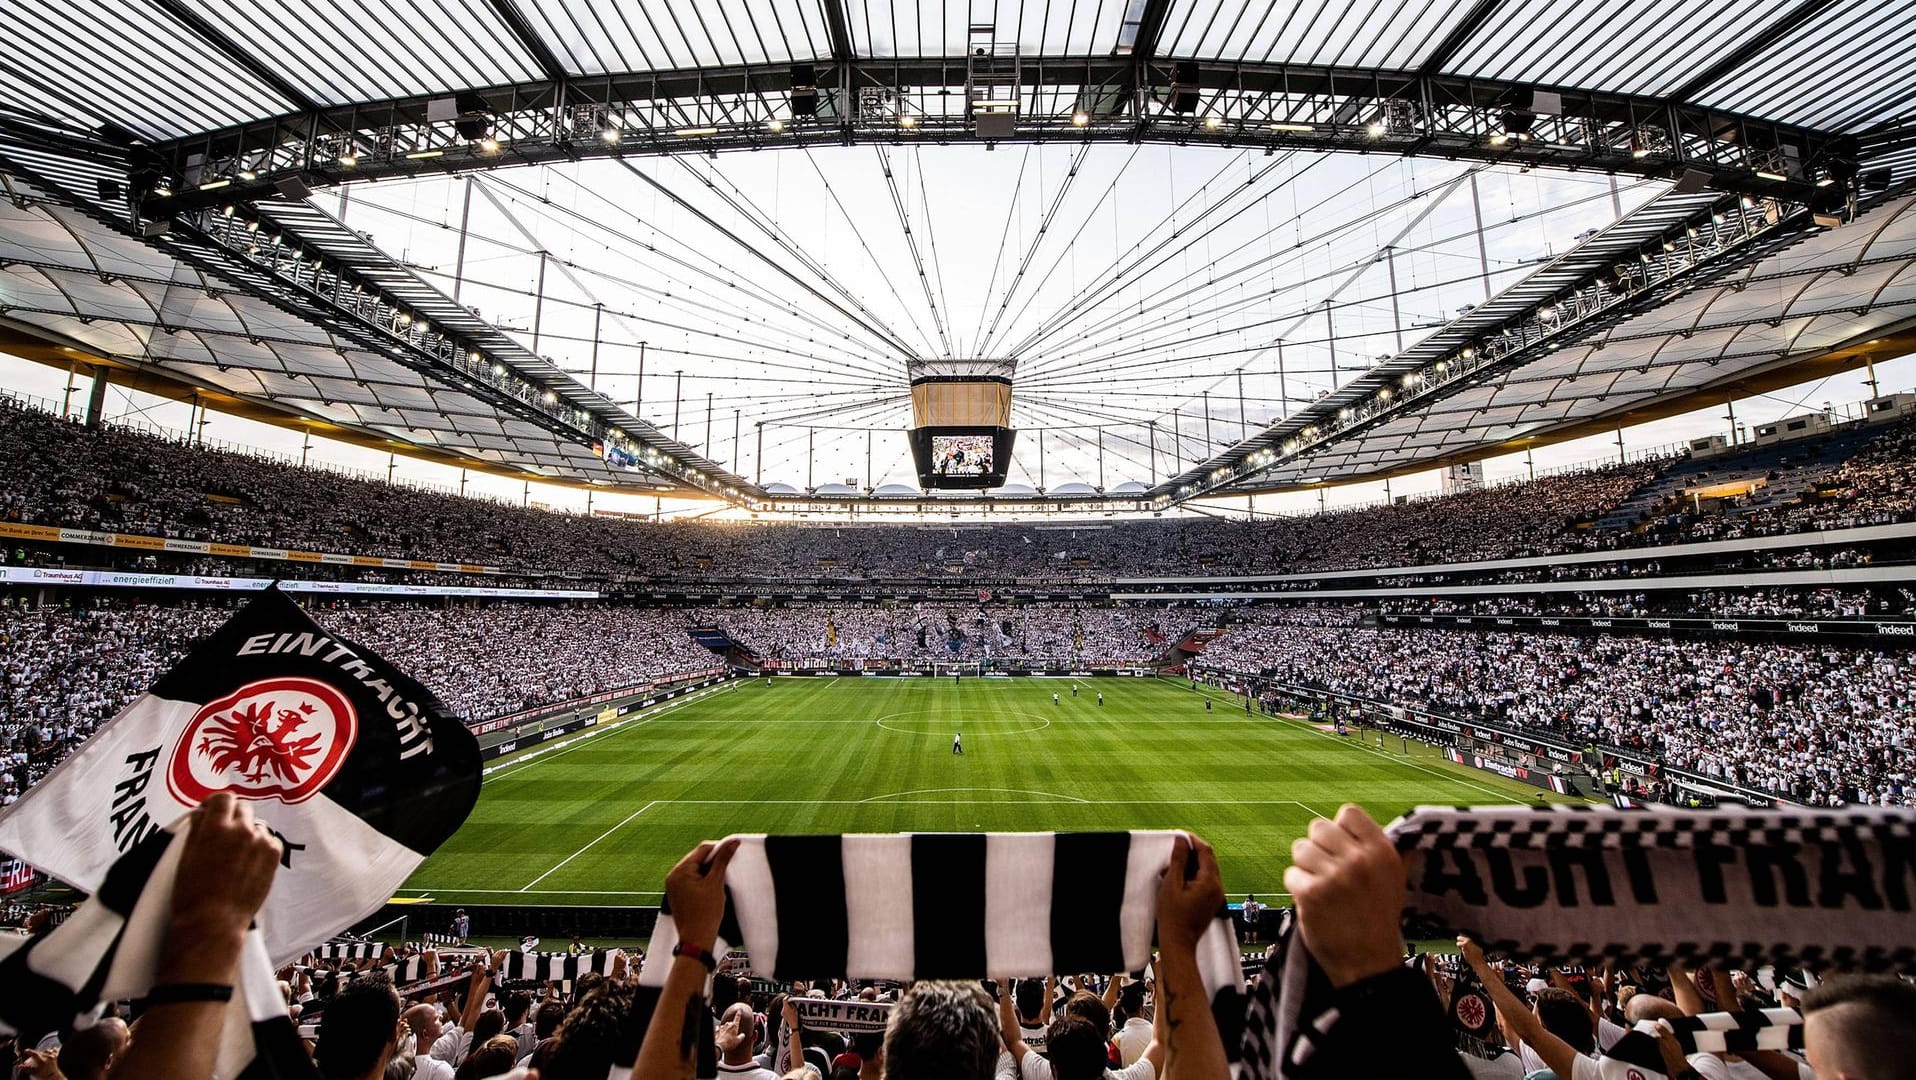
x=856 y=1017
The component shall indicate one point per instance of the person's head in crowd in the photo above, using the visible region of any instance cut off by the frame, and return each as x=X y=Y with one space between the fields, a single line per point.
x=869 y=1049
x=359 y=1031
x=87 y=1053
x=725 y=992
x=583 y=987
x=491 y=1022
x=545 y=1022
x=401 y=1067
x=1861 y=1027
x=516 y=1004
x=424 y=1022
x=1567 y=1018
x=1076 y=1048
x=1650 y=1007
x=494 y=1057
x=942 y=1030
x=1029 y=994
x=1090 y=1006
x=595 y=1033
x=737 y=1034
x=1131 y=999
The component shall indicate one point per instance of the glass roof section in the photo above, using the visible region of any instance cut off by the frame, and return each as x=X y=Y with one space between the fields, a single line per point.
x=123 y=62
x=171 y=68
x=889 y=28
x=1636 y=48
x=594 y=37
x=1845 y=69
x=1328 y=33
x=341 y=51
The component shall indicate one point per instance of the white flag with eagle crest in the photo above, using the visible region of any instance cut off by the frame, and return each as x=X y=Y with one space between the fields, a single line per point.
x=356 y=768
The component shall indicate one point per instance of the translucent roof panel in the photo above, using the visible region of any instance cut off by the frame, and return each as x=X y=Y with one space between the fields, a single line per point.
x=123 y=61
x=1378 y=33
x=886 y=28
x=1845 y=69
x=1632 y=48
x=342 y=51
x=598 y=36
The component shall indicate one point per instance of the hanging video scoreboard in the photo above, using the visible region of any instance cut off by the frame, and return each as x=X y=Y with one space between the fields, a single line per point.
x=961 y=434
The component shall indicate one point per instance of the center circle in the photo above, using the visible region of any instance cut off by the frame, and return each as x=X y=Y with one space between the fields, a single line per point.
x=926 y=722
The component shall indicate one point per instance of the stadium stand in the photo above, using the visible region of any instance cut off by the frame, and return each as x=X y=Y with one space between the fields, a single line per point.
x=60 y=473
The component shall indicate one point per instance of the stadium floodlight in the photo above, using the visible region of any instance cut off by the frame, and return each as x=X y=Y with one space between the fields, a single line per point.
x=489 y=145
x=1293 y=127
x=215 y=185
x=695 y=132
x=1212 y=123
x=1079 y=118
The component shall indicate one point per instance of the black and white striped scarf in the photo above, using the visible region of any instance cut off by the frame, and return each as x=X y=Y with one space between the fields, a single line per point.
x=990 y=905
x=556 y=967
x=108 y=951
x=350 y=950
x=1736 y=1032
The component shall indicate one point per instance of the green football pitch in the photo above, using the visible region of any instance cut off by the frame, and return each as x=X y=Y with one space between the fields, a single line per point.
x=600 y=818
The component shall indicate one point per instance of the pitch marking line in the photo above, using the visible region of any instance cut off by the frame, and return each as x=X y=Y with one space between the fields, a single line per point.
x=1044 y=722
x=1359 y=744
x=595 y=840
x=566 y=746
x=1053 y=796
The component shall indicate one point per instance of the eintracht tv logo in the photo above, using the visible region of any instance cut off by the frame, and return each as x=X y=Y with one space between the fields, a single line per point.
x=272 y=739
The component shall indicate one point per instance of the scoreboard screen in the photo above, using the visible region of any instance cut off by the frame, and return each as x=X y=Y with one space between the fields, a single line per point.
x=951 y=457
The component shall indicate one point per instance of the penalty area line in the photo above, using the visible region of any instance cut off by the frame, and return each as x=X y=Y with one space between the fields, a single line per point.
x=594 y=841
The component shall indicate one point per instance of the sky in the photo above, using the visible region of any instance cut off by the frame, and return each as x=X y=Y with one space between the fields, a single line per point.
x=1133 y=285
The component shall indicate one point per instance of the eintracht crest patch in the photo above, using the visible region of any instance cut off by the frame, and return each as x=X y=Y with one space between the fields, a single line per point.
x=279 y=739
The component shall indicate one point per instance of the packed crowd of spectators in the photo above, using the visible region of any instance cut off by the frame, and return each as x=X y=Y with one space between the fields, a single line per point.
x=1822 y=603
x=1375 y=1008
x=66 y=670
x=1810 y=723
x=967 y=633
x=58 y=472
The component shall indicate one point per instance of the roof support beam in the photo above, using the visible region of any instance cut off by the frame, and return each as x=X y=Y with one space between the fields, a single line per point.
x=529 y=38
x=229 y=48
x=840 y=28
x=1150 y=26
x=1272 y=106
x=1459 y=36
x=1749 y=50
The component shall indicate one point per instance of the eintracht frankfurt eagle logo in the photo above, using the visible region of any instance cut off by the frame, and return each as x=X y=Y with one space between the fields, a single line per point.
x=1472 y=1011
x=277 y=739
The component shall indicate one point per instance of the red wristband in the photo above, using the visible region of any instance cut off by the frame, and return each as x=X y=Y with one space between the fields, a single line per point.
x=696 y=953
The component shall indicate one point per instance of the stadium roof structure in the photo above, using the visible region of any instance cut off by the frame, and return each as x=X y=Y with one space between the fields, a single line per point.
x=170 y=164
